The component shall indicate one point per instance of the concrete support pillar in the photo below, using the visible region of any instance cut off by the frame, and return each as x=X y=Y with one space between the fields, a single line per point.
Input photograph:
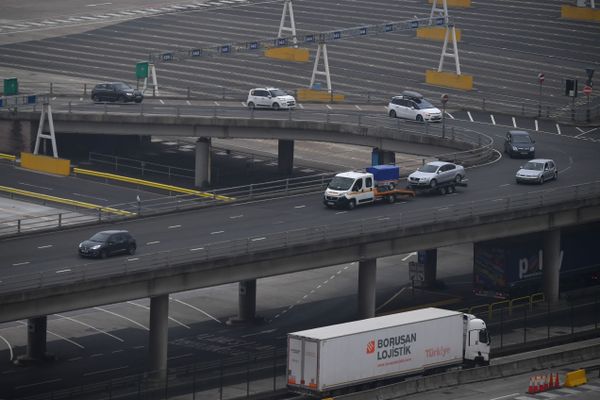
x=246 y=301
x=428 y=258
x=159 y=336
x=367 y=274
x=202 y=173
x=551 y=265
x=285 y=157
x=36 y=342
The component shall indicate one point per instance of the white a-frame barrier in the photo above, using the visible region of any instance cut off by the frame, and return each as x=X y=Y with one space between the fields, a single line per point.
x=288 y=8
x=46 y=110
x=152 y=73
x=450 y=31
x=437 y=12
x=322 y=49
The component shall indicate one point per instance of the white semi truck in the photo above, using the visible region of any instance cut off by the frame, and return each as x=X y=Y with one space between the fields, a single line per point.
x=337 y=357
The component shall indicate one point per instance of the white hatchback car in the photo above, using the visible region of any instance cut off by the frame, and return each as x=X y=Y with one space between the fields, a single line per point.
x=273 y=98
x=412 y=105
x=538 y=170
x=436 y=173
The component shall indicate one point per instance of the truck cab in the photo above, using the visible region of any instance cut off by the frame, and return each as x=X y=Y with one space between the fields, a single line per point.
x=477 y=341
x=349 y=189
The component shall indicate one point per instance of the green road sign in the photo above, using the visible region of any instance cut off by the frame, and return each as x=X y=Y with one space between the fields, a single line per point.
x=141 y=70
x=11 y=87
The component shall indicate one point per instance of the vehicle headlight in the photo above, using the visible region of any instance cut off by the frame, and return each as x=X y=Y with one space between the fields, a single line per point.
x=129 y=94
x=514 y=148
x=531 y=148
x=96 y=247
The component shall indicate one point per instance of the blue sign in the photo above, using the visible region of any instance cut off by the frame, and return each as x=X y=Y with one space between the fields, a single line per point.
x=414 y=24
x=226 y=49
x=1 y=103
x=389 y=28
x=309 y=38
x=253 y=45
x=439 y=21
x=337 y=35
x=196 y=52
x=31 y=99
x=281 y=42
x=167 y=57
x=363 y=31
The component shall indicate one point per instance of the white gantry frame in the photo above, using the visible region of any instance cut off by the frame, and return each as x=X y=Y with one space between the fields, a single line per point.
x=46 y=110
x=437 y=12
x=287 y=7
x=321 y=49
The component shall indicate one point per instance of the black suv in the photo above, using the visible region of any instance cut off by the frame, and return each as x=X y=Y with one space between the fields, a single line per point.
x=519 y=143
x=106 y=243
x=116 y=91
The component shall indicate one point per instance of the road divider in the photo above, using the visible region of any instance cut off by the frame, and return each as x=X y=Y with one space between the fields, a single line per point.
x=156 y=185
x=61 y=200
x=436 y=33
x=37 y=162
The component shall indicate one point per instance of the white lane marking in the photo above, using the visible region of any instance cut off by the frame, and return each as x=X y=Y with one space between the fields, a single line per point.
x=117 y=351
x=35 y=186
x=558 y=129
x=75 y=359
x=133 y=259
x=122 y=316
x=498 y=200
x=197 y=248
x=217 y=232
x=302 y=206
x=505 y=184
x=90 y=326
x=21 y=263
x=64 y=338
x=328 y=106
x=414 y=253
x=99 y=4
x=470 y=116
x=341 y=212
x=236 y=216
x=259 y=333
x=197 y=309
x=514 y=122
x=536 y=124
x=300 y=106
x=180 y=356
x=503 y=397
x=105 y=370
x=383 y=219
x=174 y=226
x=244 y=104
x=442 y=208
x=258 y=239
x=89 y=197
x=161 y=102
x=217 y=103
x=493 y=119
x=148 y=308
x=46 y=246
x=38 y=383
x=61 y=271
x=579 y=129
x=153 y=242
x=450 y=115
x=390 y=299
x=10 y=350
x=357 y=107
x=585 y=132
x=188 y=102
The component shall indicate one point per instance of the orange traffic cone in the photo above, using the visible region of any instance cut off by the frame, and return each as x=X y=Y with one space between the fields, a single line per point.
x=536 y=384
x=556 y=382
x=544 y=385
x=531 y=389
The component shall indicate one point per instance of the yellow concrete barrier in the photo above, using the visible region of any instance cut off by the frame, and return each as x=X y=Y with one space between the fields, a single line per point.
x=453 y=3
x=288 y=54
x=58 y=166
x=436 y=33
x=319 y=95
x=8 y=157
x=449 y=80
x=575 y=378
x=143 y=182
x=579 y=13
x=61 y=200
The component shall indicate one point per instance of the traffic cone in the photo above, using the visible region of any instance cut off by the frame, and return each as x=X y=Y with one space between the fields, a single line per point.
x=531 y=389
x=536 y=384
x=556 y=382
x=547 y=382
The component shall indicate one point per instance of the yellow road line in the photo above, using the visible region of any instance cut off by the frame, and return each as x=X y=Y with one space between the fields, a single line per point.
x=65 y=201
x=143 y=182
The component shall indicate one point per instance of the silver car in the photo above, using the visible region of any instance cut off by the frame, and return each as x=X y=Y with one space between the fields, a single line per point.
x=538 y=170
x=436 y=173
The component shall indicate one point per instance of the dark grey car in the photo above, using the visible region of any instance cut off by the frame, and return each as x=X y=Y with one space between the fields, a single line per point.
x=519 y=143
x=107 y=243
x=116 y=91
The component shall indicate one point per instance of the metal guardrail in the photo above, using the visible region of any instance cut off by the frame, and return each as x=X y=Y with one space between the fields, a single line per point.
x=285 y=239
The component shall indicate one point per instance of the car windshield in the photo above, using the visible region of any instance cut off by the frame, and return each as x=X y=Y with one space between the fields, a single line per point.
x=122 y=86
x=534 y=166
x=428 y=168
x=340 y=183
x=521 y=139
x=423 y=103
x=277 y=92
x=100 y=237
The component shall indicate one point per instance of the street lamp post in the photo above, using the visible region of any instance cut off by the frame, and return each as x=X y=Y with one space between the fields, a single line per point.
x=444 y=100
x=541 y=80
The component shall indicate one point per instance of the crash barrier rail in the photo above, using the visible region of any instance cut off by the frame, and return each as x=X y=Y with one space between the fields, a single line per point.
x=467 y=211
x=244 y=375
x=9 y=157
x=584 y=109
x=509 y=305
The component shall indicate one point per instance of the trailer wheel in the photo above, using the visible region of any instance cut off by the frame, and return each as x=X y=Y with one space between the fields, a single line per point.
x=391 y=198
x=451 y=189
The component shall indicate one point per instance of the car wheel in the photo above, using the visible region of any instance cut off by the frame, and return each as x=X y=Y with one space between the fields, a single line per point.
x=96 y=98
x=392 y=114
x=433 y=183
x=251 y=106
x=121 y=99
x=541 y=179
x=458 y=179
x=276 y=106
x=442 y=190
x=352 y=204
x=419 y=118
x=138 y=100
x=556 y=175
x=131 y=250
x=103 y=254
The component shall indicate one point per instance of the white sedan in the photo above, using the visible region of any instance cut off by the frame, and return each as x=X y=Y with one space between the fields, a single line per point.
x=436 y=173
x=539 y=171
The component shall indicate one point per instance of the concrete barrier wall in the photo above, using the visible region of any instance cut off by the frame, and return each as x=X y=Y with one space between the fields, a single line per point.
x=436 y=33
x=318 y=95
x=449 y=80
x=453 y=3
x=288 y=54
x=58 y=166
x=579 y=13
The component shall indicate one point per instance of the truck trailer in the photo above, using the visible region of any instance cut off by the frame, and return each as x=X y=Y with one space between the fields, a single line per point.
x=376 y=183
x=331 y=359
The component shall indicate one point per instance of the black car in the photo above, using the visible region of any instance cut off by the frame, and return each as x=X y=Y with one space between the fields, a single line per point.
x=116 y=91
x=519 y=143
x=106 y=243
